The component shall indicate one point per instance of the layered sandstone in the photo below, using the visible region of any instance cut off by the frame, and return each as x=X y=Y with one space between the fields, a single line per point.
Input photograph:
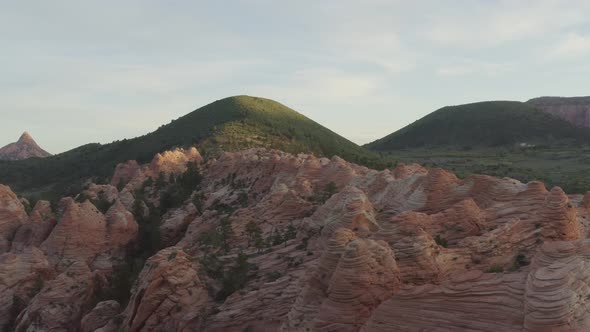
x=575 y=110
x=168 y=296
x=60 y=304
x=12 y=215
x=330 y=246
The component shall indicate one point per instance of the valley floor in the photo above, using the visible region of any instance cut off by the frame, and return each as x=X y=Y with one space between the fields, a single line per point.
x=566 y=167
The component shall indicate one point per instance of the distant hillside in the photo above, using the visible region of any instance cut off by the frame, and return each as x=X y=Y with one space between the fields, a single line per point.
x=575 y=110
x=483 y=124
x=229 y=124
x=24 y=148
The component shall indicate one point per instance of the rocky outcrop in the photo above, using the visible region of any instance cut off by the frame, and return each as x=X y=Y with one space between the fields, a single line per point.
x=12 y=215
x=557 y=288
x=270 y=241
x=351 y=279
x=96 y=192
x=174 y=161
x=21 y=277
x=575 y=110
x=469 y=301
x=79 y=234
x=24 y=148
x=103 y=318
x=415 y=249
x=84 y=234
x=168 y=296
x=35 y=229
x=549 y=295
x=60 y=304
x=175 y=223
x=350 y=209
x=125 y=172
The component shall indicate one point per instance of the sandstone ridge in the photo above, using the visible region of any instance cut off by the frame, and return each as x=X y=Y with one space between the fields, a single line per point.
x=263 y=240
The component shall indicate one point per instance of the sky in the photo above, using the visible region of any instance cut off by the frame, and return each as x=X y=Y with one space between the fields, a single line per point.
x=76 y=72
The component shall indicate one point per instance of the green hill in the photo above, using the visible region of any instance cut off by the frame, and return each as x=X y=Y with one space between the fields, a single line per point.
x=483 y=124
x=229 y=124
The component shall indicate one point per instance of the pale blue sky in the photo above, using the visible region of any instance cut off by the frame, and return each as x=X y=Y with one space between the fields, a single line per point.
x=75 y=72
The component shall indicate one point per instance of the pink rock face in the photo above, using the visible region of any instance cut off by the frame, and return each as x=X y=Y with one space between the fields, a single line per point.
x=84 y=234
x=78 y=236
x=60 y=304
x=331 y=246
x=125 y=172
x=36 y=229
x=352 y=278
x=169 y=295
x=173 y=161
x=12 y=214
x=575 y=110
x=24 y=148
x=21 y=277
x=175 y=222
x=104 y=192
x=102 y=317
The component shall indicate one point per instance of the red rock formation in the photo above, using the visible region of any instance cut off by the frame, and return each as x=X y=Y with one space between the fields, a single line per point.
x=78 y=236
x=21 y=277
x=36 y=229
x=351 y=279
x=350 y=209
x=59 y=306
x=173 y=161
x=84 y=234
x=471 y=301
x=175 y=222
x=575 y=110
x=169 y=295
x=339 y=248
x=24 y=148
x=416 y=251
x=12 y=215
x=102 y=318
x=125 y=172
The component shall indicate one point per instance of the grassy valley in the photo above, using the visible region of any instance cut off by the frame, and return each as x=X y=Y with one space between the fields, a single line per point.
x=564 y=166
x=498 y=138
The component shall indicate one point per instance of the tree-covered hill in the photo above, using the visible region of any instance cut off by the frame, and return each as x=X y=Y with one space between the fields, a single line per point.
x=483 y=124
x=229 y=124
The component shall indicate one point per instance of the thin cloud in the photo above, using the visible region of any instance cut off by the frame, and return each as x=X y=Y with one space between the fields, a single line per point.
x=571 y=46
x=471 y=67
x=489 y=24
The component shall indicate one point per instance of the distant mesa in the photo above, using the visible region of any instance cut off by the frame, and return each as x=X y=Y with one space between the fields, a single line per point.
x=24 y=148
x=575 y=110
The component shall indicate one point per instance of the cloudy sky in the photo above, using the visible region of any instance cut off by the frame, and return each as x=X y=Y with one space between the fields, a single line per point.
x=75 y=72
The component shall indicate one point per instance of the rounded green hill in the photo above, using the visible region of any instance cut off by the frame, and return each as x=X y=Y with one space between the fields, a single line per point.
x=483 y=124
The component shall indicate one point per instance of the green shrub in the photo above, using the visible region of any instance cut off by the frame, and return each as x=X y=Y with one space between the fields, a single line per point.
x=272 y=276
x=323 y=195
x=520 y=261
x=236 y=277
x=495 y=269
x=440 y=241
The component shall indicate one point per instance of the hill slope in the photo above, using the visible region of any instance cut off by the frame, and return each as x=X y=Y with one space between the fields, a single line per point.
x=483 y=124
x=229 y=124
x=24 y=148
x=575 y=110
